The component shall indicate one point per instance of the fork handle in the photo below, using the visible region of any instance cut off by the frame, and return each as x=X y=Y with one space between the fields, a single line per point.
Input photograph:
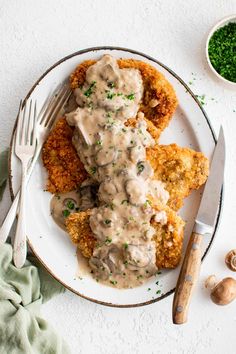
x=19 y=246
x=12 y=212
x=9 y=219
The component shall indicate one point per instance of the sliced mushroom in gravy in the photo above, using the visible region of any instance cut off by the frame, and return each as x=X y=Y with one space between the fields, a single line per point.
x=115 y=157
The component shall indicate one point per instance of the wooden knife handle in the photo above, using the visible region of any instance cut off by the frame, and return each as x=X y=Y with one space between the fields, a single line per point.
x=187 y=279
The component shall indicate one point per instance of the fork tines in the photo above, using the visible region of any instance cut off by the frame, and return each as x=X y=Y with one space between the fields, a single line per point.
x=54 y=105
x=25 y=131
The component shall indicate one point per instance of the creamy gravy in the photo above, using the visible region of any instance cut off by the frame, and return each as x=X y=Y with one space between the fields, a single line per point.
x=63 y=204
x=115 y=157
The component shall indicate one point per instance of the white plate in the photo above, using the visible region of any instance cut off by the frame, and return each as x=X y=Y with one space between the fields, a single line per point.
x=189 y=127
x=225 y=21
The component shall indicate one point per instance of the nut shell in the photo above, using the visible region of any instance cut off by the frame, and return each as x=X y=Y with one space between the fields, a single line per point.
x=230 y=260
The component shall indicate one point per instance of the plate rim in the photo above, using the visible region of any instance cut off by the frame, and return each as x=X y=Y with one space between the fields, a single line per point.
x=219 y=214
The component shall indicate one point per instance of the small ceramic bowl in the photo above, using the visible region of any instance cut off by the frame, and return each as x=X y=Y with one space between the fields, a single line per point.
x=218 y=25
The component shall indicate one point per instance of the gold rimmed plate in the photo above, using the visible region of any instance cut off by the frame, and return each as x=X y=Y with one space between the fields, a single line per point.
x=189 y=127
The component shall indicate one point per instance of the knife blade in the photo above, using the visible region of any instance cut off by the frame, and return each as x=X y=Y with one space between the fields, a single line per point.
x=204 y=223
x=206 y=216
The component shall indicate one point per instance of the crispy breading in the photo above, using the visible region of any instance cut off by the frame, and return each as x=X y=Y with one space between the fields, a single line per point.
x=59 y=157
x=168 y=237
x=156 y=87
x=65 y=170
x=80 y=233
x=151 y=128
x=180 y=169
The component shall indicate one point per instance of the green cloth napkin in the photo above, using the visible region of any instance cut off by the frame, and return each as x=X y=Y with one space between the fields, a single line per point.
x=22 y=291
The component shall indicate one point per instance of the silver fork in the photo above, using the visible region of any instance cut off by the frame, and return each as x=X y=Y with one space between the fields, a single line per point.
x=25 y=143
x=47 y=116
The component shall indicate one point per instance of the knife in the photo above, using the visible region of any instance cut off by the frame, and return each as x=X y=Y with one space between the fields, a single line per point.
x=204 y=224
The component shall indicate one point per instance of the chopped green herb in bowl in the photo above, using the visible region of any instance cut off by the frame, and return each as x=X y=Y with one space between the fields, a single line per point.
x=221 y=50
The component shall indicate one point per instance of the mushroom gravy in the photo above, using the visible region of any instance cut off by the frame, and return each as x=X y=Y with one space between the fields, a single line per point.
x=63 y=204
x=115 y=157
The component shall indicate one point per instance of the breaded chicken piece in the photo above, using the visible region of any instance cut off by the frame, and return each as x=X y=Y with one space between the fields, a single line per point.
x=151 y=128
x=65 y=170
x=180 y=169
x=168 y=238
x=157 y=90
x=77 y=225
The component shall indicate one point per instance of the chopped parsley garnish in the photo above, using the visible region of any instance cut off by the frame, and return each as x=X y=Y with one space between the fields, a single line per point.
x=201 y=98
x=89 y=91
x=107 y=221
x=126 y=245
x=108 y=240
x=65 y=213
x=70 y=205
x=93 y=170
x=119 y=94
x=130 y=96
x=110 y=95
x=140 y=167
x=113 y=282
x=222 y=51
x=111 y=84
x=110 y=121
x=148 y=202
x=111 y=206
x=125 y=201
x=98 y=142
x=149 y=289
x=125 y=262
x=158 y=291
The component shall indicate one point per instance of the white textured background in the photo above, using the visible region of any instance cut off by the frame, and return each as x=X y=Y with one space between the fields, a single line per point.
x=34 y=35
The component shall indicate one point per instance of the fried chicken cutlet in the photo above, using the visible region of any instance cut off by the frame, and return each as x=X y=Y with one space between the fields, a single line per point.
x=168 y=237
x=180 y=169
x=159 y=99
x=65 y=170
